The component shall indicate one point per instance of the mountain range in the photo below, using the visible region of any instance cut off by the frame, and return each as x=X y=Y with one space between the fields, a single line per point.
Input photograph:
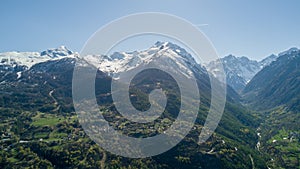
x=38 y=118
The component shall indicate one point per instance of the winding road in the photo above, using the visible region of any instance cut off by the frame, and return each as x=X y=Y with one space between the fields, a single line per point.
x=55 y=101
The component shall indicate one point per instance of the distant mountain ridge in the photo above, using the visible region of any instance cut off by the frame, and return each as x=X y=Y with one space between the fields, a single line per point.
x=240 y=70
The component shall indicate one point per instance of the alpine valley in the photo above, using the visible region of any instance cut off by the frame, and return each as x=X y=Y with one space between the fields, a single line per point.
x=40 y=129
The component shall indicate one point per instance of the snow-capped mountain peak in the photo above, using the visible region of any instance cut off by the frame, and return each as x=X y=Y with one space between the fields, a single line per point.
x=177 y=49
x=29 y=59
x=57 y=52
x=161 y=52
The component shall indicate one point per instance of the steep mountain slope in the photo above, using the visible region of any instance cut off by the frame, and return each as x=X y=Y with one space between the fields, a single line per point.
x=240 y=70
x=37 y=111
x=277 y=84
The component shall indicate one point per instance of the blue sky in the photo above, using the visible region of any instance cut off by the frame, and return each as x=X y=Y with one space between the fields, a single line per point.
x=251 y=28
